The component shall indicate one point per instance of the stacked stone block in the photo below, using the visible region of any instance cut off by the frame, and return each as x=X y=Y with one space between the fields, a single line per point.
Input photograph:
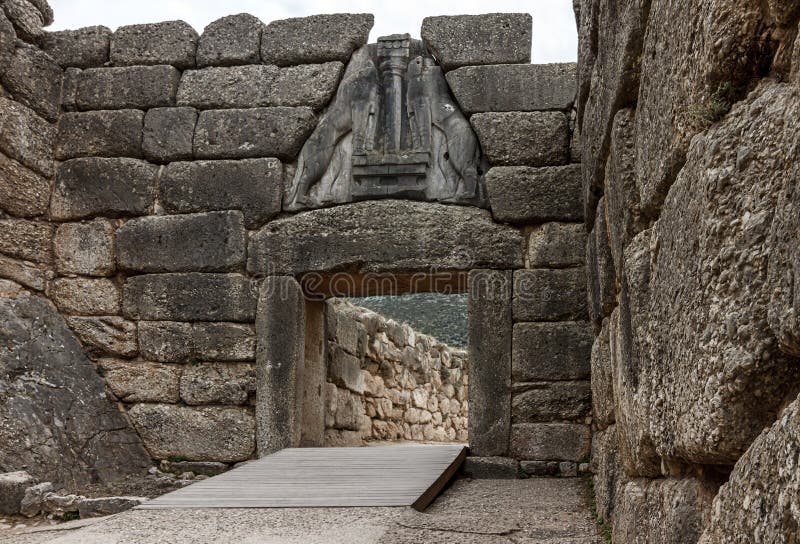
x=389 y=382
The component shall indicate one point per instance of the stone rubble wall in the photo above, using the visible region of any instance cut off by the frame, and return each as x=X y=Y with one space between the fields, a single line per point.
x=387 y=381
x=687 y=112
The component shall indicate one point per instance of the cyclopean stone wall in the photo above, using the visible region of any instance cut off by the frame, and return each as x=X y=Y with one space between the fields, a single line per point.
x=387 y=381
x=688 y=113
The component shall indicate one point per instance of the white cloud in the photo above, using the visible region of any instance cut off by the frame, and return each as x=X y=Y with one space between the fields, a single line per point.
x=554 y=35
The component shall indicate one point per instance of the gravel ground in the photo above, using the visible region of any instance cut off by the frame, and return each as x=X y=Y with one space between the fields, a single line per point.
x=541 y=511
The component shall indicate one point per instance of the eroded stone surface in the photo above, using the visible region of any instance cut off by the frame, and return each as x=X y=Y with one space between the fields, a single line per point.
x=523 y=138
x=170 y=42
x=168 y=134
x=85 y=248
x=551 y=351
x=26 y=137
x=550 y=441
x=100 y=134
x=555 y=245
x=34 y=79
x=107 y=335
x=218 y=383
x=319 y=38
x=23 y=192
x=141 y=87
x=84 y=296
x=179 y=342
x=223 y=87
x=231 y=40
x=142 y=381
x=522 y=194
x=549 y=295
x=82 y=48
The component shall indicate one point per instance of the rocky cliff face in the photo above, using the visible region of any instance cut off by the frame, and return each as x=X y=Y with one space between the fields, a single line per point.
x=690 y=180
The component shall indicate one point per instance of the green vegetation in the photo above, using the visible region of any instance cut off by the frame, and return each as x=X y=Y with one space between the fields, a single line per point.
x=71 y=516
x=602 y=526
x=717 y=106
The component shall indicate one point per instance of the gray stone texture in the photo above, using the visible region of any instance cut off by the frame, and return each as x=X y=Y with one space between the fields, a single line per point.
x=12 y=490
x=34 y=79
x=178 y=342
x=315 y=39
x=100 y=134
x=106 y=506
x=142 y=381
x=551 y=351
x=69 y=89
x=203 y=242
x=218 y=383
x=550 y=295
x=602 y=379
x=168 y=134
x=82 y=48
x=254 y=186
x=513 y=87
x=257 y=132
x=538 y=138
x=306 y=85
x=543 y=402
x=551 y=442
x=231 y=40
x=492 y=468
x=463 y=40
x=106 y=335
x=385 y=236
x=8 y=39
x=46 y=380
x=602 y=285
x=227 y=87
x=280 y=327
x=344 y=370
x=28 y=240
x=127 y=87
x=85 y=296
x=490 y=341
x=85 y=248
x=108 y=187
x=522 y=194
x=170 y=42
x=27 y=19
x=22 y=272
x=556 y=245
x=190 y=297
x=23 y=192
x=26 y=137
x=210 y=433
x=608 y=477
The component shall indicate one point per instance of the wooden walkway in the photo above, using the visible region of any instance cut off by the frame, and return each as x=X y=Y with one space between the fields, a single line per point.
x=327 y=477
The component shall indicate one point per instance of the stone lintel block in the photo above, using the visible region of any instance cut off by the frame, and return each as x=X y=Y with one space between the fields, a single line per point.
x=85 y=248
x=34 y=79
x=551 y=351
x=543 y=402
x=491 y=468
x=168 y=134
x=227 y=87
x=190 y=297
x=494 y=38
x=142 y=381
x=218 y=383
x=180 y=342
x=104 y=133
x=230 y=41
x=551 y=441
x=523 y=194
x=490 y=346
x=170 y=42
x=315 y=39
x=82 y=48
x=254 y=186
x=250 y=133
x=556 y=245
x=344 y=370
x=29 y=240
x=127 y=87
x=209 y=433
x=109 y=187
x=26 y=137
x=23 y=192
x=550 y=295
x=202 y=242
x=85 y=296
x=514 y=87
x=537 y=138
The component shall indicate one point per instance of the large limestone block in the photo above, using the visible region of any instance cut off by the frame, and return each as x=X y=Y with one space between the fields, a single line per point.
x=543 y=402
x=550 y=295
x=168 y=134
x=26 y=137
x=85 y=296
x=231 y=40
x=100 y=134
x=34 y=79
x=133 y=87
x=608 y=480
x=760 y=503
x=106 y=335
x=178 y=342
x=12 y=490
x=170 y=42
x=142 y=381
x=551 y=441
x=513 y=87
x=109 y=187
x=227 y=87
x=254 y=186
x=551 y=351
x=23 y=192
x=310 y=85
x=27 y=18
x=82 y=48
x=319 y=38
x=202 y=242
x=463 y=40
x=522 y=194
x=85 y=248
x=256 y=132
x=385 y=236
x=556 y=245
x=218 y=383
x=57 y=419
x=28 y=240
x=715 y=275
x=190 y=297
x=537 y=138
x=23 y=272
x=602 y=286
x=602 y=379
x=212 y=433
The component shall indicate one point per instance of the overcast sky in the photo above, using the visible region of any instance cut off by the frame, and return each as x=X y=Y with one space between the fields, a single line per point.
x=554 y=35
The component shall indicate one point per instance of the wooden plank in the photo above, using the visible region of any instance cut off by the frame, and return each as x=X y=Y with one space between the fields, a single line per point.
x=327 y=477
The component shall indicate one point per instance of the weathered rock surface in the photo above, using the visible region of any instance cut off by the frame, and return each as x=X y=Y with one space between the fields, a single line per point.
x=85 y=296
x=602 y=287
x=100 y=134
x=551 y=351
x=551 y=441
x=141 y=381
x=85 y=248
x=538 y=138
x=134 y=87
x=109 y=187
x=27 y=19
x=513 y=87
x=463 y=40
x=26 y=137
x=385 y=236
x=23 y=192
x=196 y=434
x=57 y=420
x=227 y=87
x=254 y=186
x=205 y=242
x=82 y=48
x=550 y=295
x=218 y=383
x=190 y=297
x=602 y=379
x=306 y=85
x=231 y=40
x=521 y=194
x=27 y=274
x=550 y=401
x=29 y=240
x=494 y=468
x=34 y=79
x=170 y=42
x=608 y=480
x=106 y=506
x=319 y=38
x=168 y=134
x=178 y=342
x=12 y=490
x=555 y=245
x=108 y=335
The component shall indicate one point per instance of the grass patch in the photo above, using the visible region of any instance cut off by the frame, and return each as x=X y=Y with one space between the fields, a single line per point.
x=717 y=106
x=602 y=526
x=71 y=516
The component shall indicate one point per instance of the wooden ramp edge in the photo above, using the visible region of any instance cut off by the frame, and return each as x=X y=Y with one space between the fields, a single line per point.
x=403 y=475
